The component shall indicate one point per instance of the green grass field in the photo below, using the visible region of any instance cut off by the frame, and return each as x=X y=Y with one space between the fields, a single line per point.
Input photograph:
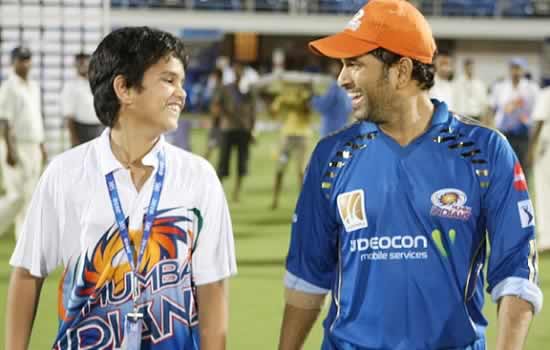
x=261 y=241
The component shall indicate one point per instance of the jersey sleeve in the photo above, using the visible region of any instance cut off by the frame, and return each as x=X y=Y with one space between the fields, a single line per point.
x=510 y=222
x=312 y=255
x=214 y=249
x=38 y=248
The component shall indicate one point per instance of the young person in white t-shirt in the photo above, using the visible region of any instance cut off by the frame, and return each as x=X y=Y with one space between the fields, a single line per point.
x=539 y=158
x=141 y=227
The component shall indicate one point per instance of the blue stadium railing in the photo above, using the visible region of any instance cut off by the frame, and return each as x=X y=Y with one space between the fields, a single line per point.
x=467 y=8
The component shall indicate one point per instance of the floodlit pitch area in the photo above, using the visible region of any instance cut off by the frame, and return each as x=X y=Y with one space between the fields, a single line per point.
x=261 y=235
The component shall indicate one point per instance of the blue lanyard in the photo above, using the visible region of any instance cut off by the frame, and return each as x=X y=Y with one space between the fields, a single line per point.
x=121 y=220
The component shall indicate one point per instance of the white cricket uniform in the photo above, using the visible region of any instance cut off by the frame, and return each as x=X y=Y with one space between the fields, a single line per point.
x=470 y=97
x=77 y=101
x=444 y=90
x=20 y=106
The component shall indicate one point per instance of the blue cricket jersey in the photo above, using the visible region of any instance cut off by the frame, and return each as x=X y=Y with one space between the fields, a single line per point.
x=399 y=235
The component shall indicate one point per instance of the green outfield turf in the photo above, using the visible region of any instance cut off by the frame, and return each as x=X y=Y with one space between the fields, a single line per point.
x=261 y=242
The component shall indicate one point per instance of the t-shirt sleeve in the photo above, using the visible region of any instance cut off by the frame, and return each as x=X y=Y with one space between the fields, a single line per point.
x=38 y=247
x=510 y=222
x=312 y=256
x=214 y=249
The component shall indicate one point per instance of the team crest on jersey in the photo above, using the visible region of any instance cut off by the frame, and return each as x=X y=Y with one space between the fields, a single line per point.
x=526 y=213
x=450 y=203
x=351 y=206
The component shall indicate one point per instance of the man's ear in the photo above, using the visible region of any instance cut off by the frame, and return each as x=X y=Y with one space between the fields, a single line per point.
x=404 y=73
x=124 y=94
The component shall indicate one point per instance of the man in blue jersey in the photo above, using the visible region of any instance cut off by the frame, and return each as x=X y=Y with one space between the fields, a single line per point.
x=397 y=211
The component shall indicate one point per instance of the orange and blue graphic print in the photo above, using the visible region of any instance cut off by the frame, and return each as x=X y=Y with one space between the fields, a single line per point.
x=95 y=290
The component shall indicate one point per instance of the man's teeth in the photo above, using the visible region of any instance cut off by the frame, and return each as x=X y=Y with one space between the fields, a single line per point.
x=174 y=108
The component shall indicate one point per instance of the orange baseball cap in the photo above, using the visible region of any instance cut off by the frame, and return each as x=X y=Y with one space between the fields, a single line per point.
x=395 y=25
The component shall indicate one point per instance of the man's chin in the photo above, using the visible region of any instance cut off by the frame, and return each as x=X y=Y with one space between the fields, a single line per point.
x=359 y=114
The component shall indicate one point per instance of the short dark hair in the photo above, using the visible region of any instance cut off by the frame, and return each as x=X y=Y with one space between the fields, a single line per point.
x=129 y=52
x=20 y=53
x=423 y=73
x=81 y=56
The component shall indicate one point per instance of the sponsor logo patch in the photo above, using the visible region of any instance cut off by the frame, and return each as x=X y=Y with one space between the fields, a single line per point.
x=526 y=213
x=351 y=206
x=520 y=184
x=450 y=203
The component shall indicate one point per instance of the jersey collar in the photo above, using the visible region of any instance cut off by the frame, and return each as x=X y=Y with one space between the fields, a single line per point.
x=441 y=113
x=107 y=160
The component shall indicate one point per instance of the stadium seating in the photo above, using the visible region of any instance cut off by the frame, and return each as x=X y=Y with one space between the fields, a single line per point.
x=217 y=4
x=466 y=8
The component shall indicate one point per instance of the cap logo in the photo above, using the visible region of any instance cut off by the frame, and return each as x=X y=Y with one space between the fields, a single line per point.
x=355 y=22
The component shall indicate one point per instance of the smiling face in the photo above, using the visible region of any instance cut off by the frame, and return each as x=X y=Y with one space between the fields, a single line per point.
x=158 y=102
x=367 y=84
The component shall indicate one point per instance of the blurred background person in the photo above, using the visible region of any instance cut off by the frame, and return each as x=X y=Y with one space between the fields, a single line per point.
x=292 y=105
x=334 y=105
x=181 y=137
x=470 y=97
x=512 y=101
x=20 y=112
x=539 y=160
x=215 y=84
x=77 y=104
x=236 y=110
x=443 y=89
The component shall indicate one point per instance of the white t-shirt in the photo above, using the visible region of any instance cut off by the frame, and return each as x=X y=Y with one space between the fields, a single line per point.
x=470 y=97
x=443 y=90
x=71 y=222
x=20 y=105
x=77 y=101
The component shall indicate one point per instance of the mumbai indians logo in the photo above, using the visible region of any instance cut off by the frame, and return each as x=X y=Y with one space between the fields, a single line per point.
x=450 y=203
x=355 y=22
x=351 y=206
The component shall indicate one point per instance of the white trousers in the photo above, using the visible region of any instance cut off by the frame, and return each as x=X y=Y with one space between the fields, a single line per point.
x=542 y=198
x=18 y=184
